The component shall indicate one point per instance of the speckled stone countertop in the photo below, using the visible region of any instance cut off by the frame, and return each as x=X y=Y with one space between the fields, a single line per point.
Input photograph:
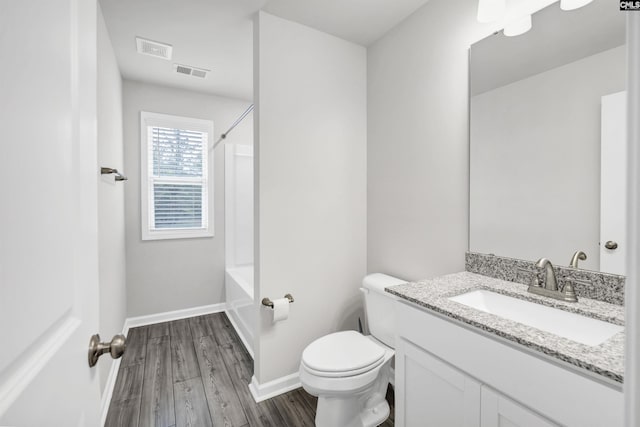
x=606 y=359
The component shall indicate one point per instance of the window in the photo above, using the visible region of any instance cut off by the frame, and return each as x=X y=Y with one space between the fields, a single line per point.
x=175 y=177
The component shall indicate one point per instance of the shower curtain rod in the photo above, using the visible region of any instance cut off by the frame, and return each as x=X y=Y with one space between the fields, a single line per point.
x=236 y=123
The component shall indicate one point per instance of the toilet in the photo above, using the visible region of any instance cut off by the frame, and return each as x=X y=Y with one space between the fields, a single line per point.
x=349 y=372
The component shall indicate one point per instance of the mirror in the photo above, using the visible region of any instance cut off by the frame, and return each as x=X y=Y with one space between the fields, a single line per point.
x=547 y=162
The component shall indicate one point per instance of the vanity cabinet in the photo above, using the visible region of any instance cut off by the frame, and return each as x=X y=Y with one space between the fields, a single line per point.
x=436 y=394
x=498 y=410
x=451 y=374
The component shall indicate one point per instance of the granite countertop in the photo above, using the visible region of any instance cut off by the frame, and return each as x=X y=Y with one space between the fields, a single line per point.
x=606 y=359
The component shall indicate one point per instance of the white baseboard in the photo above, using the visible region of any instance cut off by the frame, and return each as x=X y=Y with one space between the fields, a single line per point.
x=244 y=340
x=134 y=322
x=150 y=319
x=273 y=388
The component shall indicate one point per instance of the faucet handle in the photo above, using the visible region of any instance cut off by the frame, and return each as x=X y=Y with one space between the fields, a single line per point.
x=577 y=256
x=535 y=282
x=569 y=292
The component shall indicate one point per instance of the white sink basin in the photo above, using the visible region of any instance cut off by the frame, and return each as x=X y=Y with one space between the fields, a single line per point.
x=575 y=327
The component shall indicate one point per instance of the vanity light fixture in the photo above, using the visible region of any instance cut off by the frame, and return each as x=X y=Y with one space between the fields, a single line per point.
x=573 y=4
x=517 y=15
x=518 y=26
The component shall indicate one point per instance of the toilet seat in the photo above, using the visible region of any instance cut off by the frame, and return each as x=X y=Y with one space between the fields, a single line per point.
x=342 y=354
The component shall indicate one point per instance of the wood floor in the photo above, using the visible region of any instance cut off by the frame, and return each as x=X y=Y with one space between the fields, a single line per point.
x=195 y=372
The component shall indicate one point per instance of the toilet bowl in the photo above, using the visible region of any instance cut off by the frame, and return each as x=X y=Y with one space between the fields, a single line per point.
x=349 y=372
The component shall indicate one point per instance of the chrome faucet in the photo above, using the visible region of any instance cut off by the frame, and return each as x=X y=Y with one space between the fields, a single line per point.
x=579 y=255
x=550 y=288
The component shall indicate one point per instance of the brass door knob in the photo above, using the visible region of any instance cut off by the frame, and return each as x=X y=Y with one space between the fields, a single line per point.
x=611 y=245
x=116 y=348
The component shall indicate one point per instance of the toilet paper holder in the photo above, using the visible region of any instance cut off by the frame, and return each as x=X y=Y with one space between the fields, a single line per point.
x=268 y=303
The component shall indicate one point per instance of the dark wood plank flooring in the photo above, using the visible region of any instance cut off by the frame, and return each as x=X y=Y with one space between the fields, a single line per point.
x=195 y=372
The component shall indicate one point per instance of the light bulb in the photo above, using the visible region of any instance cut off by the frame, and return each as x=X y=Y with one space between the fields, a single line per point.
x=518 y=26
x=491 y=10
x=573 y=4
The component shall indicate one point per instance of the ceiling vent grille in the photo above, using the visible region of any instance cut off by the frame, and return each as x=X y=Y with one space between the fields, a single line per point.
x=184 y=70
x=151 y=48
x=190 y=71
x=199 y=73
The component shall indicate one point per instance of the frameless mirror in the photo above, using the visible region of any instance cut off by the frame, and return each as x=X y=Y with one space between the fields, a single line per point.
x=547 y=160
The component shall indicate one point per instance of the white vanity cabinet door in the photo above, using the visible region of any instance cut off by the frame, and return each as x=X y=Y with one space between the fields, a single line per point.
x=430 y=392
x=499 y=411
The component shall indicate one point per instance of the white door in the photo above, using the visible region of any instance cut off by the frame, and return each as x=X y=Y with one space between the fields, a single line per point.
x=48 y=213
x=430 y=392
x=498 y=411
x=613 y=179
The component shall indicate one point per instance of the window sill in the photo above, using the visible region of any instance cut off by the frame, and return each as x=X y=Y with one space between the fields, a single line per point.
x=175 y=234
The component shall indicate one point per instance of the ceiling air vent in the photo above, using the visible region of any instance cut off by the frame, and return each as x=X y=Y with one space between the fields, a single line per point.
x=151 y=48
x=184 y=70
x=191 y=71
x=199 y=73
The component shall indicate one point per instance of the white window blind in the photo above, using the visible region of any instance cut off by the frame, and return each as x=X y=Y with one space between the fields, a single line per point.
x=176 y=176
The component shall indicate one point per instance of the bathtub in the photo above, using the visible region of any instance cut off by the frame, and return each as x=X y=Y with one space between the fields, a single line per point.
x=238 y=284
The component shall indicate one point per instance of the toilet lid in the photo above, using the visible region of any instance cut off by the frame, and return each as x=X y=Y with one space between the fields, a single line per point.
x=342 y=352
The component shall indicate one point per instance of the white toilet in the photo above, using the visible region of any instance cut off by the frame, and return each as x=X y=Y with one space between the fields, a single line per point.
x=350 y=372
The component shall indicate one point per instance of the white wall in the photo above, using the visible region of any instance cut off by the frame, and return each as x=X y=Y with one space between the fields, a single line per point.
x=418 y=151
x=310 y=157
x=535 y=162
x=111 y=241
x=166 y=275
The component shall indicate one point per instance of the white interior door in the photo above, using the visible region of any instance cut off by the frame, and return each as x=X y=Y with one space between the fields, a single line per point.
x=613 y=183
x=48 y=213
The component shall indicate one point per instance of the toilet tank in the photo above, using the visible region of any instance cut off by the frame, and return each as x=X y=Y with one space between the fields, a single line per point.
x=379 y=306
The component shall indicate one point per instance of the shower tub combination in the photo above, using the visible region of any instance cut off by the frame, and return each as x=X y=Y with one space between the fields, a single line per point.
x=239 y=241
x=238 y=283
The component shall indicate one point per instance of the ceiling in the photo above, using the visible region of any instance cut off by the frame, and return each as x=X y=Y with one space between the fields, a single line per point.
x=217 y=35
x=359 y=21
x=212 y=34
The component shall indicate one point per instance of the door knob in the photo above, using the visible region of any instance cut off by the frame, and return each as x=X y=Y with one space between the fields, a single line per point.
x=116 y=348
x=611 y=245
